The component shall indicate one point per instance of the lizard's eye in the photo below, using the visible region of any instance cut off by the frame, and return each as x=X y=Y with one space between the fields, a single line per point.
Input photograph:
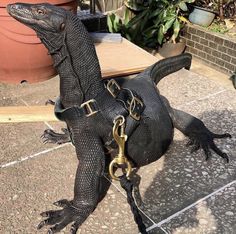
x=41 y=12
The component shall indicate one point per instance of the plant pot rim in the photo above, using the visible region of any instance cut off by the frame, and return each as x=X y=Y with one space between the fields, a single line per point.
x=205 y=9
x=4 y=3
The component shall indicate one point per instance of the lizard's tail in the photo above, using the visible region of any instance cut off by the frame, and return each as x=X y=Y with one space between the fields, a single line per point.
x=169 y=65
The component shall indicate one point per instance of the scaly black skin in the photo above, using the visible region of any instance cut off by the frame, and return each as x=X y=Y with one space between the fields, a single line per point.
x=76 y=61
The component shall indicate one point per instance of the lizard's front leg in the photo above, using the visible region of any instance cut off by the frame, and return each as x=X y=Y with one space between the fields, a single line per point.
x=86 y=189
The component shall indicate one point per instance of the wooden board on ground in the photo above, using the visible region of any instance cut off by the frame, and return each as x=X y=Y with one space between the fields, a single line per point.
x=13 y=114
x=120 y=59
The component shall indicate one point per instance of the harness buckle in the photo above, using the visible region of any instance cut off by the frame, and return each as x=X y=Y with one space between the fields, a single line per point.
x=89 y=107
x=135 y=108
x=113 y=88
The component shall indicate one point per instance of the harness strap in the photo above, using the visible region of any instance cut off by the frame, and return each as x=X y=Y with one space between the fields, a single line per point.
x=88 y=108
x=132 y=103
x=130 y=100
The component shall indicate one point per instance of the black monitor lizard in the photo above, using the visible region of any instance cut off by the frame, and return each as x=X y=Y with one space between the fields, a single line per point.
x=149 y=117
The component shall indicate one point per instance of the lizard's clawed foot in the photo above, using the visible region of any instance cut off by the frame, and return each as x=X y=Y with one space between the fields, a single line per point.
x=205 y=139
x=49 y=136
x=59 y=219
x=49 y=101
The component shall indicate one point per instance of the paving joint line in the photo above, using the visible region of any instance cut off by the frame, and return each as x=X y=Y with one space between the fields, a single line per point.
x=190 y=206
x=201 y=99
x=122 y=192
x=22 y=159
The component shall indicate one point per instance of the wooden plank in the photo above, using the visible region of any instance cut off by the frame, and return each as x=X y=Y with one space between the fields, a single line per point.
x=122 y=59
x=13 y=114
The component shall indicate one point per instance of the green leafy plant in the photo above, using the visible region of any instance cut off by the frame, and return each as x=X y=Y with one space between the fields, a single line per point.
x=153 y=23
x=116 y=24
x=208 y=4
x=219 y=27
x=172 y=20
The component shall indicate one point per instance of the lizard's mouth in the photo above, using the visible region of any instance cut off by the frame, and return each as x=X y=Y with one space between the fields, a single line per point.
x=21 y=13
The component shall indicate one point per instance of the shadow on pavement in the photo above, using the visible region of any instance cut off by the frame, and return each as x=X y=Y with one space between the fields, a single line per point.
x=181 y=178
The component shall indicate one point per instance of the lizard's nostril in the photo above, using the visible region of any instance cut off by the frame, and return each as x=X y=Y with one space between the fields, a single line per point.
x=9 y=6
x=12 y=6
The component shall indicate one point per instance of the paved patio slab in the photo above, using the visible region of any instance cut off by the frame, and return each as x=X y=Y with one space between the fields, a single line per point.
x=214 y=215
x=32 y=94
x=19 y=140
x=184 y=87
x=30 y=187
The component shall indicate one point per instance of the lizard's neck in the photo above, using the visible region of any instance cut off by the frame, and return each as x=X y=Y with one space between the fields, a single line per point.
x=77 y=64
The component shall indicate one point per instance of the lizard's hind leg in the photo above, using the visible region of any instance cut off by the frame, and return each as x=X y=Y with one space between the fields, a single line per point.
x=200 y=136
x=49 y=136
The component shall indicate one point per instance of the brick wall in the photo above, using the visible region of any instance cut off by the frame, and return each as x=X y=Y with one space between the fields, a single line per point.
x=212 y=48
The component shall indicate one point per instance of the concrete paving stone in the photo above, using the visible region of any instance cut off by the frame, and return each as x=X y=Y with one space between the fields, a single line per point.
x=157 y=231
x=32 y=94
x=30 y=187
x=184 y=86
x=113 y=215
x=199 y=67
x=7 y=95
x=19 y=140
x=180 y=178
x=216 y=215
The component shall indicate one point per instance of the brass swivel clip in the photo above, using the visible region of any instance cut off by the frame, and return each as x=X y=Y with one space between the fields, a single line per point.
x=120 y=159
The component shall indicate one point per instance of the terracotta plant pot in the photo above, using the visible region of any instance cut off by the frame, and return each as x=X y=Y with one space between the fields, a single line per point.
x=23 y=57
x=171 y=49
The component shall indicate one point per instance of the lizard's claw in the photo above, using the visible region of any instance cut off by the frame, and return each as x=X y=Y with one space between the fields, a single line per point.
x=49 y=136
x=205 y=140
x=49 y=101
x=59 y=219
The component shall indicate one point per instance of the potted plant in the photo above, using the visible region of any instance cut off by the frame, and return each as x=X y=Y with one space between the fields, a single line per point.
x=153 y=23
x=204 y=12
x=23 y=57
x=172 y=20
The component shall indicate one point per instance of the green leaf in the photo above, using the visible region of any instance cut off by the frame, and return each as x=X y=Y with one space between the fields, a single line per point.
x=189 y=1
x=150 y=32
x=137 y=18
x=168 y=24
x=176 y=30
x=183 y=6
x=159 y=19
x=144 y=22
x=110 y=20
x=126 y=16
x=155 y=13
x=160 y=35
x=116 y=23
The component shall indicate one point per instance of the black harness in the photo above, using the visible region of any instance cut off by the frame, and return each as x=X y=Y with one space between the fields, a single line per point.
x=130 y=100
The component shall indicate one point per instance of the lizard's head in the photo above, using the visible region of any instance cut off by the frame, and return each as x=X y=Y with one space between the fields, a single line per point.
x=43 y=18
